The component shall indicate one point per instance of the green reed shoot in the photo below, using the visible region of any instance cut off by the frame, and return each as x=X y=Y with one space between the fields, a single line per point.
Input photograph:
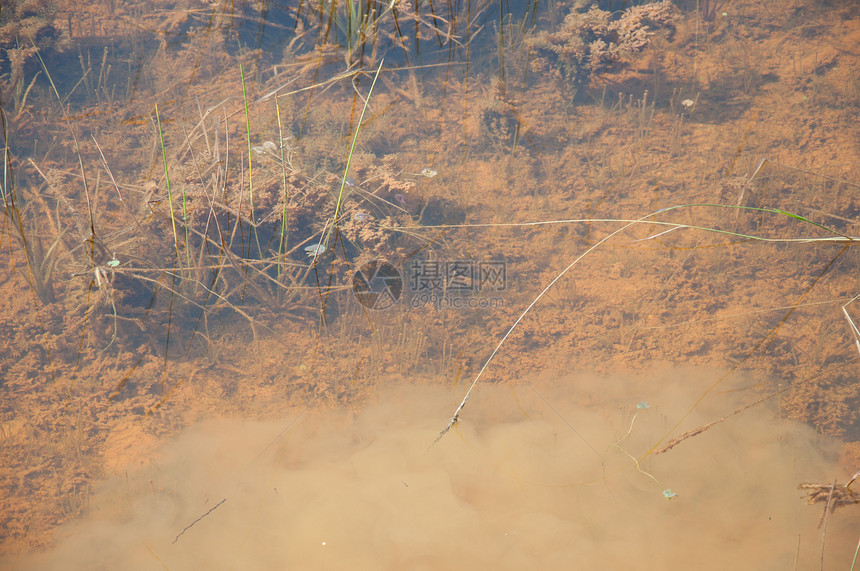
x=185 y=223
x=282 y=243
x=6 y=188
x=167 y=178
x=360 y=19
x=349 y=157
x=856 y=552
x=250 y=168
x=350 y=24
x=353 y=22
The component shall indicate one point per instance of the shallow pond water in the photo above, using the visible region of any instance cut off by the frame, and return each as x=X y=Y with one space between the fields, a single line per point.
x=388 y=282
x=514 y=488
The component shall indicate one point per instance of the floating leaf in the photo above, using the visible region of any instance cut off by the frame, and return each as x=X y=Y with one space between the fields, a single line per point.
x=267 y=147
x=315 y=250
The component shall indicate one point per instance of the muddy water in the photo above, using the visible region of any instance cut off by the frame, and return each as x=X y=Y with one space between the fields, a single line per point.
x=237 y=321
x=514 y=487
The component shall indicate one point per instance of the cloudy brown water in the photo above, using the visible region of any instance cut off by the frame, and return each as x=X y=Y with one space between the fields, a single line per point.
x=247 y=366
x=514 y=488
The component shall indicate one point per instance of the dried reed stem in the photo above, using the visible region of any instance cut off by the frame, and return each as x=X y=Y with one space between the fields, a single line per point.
x=824 y=521
x=696 y=431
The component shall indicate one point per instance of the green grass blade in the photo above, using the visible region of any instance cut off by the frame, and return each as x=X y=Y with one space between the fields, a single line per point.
x=167 y=178
x=856 y=551
x=349 y=158
x=250 y=167
x=282 y=242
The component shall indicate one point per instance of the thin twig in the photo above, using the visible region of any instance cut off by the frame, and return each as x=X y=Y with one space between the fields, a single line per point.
x=696 y=431
x=603 y=240
x=190 y=525
x=115 y=185
x=824 y=527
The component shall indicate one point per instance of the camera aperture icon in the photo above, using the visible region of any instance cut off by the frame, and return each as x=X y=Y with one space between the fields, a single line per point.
x=377 y=285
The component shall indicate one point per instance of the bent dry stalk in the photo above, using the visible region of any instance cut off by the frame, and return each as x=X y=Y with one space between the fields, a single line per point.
x=838 y=237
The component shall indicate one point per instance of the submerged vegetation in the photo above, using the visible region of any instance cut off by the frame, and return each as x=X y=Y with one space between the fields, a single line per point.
x=188 y=193
x=591 y=40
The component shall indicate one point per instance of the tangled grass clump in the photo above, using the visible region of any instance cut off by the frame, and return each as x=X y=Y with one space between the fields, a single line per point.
x=593 y=41
x=25 y=28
